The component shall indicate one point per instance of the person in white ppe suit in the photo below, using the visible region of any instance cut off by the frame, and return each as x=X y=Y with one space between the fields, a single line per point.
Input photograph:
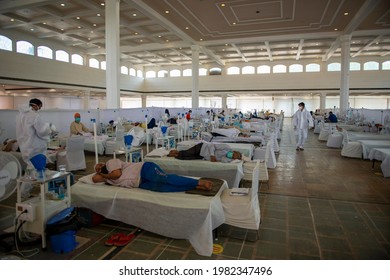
x=32 y=133
x=302 y=120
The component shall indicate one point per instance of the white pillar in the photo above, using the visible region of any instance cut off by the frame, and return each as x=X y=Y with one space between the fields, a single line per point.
x=224 y=102
x=112 y=54
x=143 y=101
x=344 y=85
x=86 y=99
x=195 y=76
x=322 y=102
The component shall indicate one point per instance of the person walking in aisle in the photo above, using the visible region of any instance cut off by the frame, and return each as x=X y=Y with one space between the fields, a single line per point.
x=302 y=120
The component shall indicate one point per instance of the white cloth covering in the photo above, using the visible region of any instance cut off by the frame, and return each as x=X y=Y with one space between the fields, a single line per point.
x=176 y=215
x=231 y=172
x=368 y=145
x=384 y=156
x=245 y=149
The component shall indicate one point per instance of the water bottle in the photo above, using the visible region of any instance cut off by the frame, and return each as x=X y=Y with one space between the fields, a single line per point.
x=61 y=191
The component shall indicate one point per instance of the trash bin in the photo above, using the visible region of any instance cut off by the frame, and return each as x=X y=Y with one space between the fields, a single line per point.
x=62 y=229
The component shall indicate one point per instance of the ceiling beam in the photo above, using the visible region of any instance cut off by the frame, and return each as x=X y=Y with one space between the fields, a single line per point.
x=212 y=55
x=299 y=49
x=268 y=50
x=239 y=52
x=335 y=45
x=12 y=5
x=361 y=15
x=377 y=39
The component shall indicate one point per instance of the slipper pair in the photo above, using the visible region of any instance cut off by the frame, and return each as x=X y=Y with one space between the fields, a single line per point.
x=119 y=239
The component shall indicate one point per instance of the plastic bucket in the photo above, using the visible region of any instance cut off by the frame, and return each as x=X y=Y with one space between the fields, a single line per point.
x=64 y=242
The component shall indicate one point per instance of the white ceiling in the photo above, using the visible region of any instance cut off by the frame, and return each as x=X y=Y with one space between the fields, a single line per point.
x=160 y=33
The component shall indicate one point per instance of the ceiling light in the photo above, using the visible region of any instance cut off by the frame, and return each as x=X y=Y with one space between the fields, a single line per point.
x=77 y=17
x=335 y=29
x=98 y=15
x=167 y=40
x=167 y=12
x=32 y=29
x=346 y=13
x=78 y=27
x=12 y=19
x=201 y=39
x=62 y=29
x=223 y=5
x=44 y=23
x=159 y=36
x=102 y=4
x=234 y=23
x=134 y=15
x=187 y=27
x=91 y=31
x=62 y=5
x=136 y=33
x=94 y=24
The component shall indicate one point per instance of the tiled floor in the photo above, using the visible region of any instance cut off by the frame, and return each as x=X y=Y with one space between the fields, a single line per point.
x=319 y=206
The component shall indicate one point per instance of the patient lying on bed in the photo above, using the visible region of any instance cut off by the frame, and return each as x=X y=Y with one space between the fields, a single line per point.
x=209 y=151
x=145 y=175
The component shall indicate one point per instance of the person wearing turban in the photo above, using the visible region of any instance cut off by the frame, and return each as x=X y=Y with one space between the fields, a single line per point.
x=77 y=127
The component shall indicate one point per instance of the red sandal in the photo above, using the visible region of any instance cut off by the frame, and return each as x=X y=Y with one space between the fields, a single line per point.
x=124 y=240
x=113 y=238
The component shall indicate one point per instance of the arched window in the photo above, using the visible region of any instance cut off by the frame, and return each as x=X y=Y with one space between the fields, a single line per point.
x=187 y=72
x=248 y=70
x=132 y=72
x=174 y=73
x=313 y=67
x=5 y=43
x=371 y=65
x=62 y=56
x=162 y=74
x=215 y=71
x=263 y=69
x=45 y=52
x=77 y=59
x=202 y=72
x=124 y=70
x=295 y=68
x=233 y=70
x=150 y=74
x=94 y=63
x=386 y=65
x=354 y=66
x=140 y=74
x=335 y=66
x=103 y=65
x=280 y=68
x=24 y=47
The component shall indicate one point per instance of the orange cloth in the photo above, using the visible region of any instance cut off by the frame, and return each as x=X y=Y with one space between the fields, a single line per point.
x=77 y=115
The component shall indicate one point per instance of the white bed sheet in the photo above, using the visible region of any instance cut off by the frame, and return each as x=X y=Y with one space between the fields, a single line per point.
x=368 y=145
x=354 y=136
x=382 y=155
x=244 y=148
x=176 y=215
x=231 y=172
x=89 y=144
x=256 y=140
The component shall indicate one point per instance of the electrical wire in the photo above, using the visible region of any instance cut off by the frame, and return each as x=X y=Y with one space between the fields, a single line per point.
x=23 y=253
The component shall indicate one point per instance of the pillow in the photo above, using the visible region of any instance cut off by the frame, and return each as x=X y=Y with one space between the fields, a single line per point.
x=88 y=180
x=158 y=153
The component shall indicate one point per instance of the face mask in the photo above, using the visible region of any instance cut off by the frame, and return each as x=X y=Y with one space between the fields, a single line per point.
x=300 y=108
x=77 y=119
x=229 y=154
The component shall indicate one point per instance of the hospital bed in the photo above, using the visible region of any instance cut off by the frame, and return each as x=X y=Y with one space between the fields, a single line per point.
x=176 y=215
x=382 y=155
x=368 y=145
x=89 y=143
x=245 y=149
x=231 y=172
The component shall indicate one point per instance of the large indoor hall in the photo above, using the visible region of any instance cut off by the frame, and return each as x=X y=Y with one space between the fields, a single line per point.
x=318 y=205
